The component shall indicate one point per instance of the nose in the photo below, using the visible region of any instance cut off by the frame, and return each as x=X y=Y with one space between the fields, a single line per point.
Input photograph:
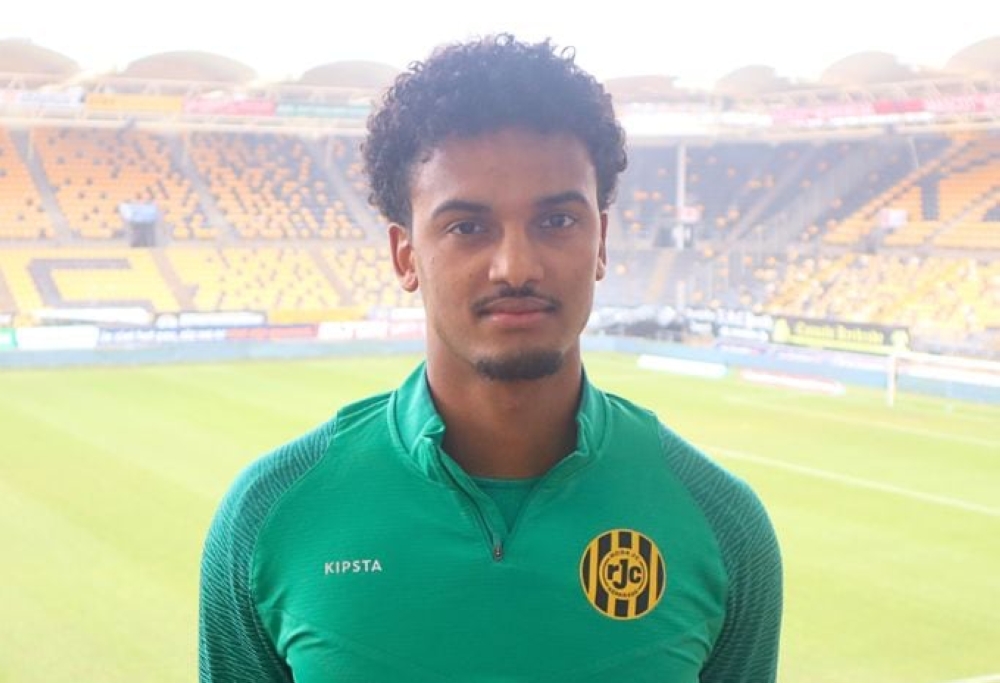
x=516 y=260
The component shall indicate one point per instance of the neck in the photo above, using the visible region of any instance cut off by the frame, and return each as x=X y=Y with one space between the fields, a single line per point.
x=507 y=430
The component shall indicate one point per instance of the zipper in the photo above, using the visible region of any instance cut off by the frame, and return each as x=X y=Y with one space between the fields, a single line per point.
x=539 y=485
x=493 y=540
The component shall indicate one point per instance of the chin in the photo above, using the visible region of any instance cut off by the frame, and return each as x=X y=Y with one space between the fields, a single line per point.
x=520 y=367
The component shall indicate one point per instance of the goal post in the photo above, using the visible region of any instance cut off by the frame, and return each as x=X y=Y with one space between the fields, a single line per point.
x=891 y=373
x=948 y=376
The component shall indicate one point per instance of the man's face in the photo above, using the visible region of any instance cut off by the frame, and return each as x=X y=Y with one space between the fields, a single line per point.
x=506 y=245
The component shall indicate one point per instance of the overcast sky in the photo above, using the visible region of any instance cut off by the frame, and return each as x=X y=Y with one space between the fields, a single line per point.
x=697 y=41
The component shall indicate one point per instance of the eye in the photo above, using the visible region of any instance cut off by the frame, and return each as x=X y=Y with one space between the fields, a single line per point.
x=558 y=220
x=465 y=228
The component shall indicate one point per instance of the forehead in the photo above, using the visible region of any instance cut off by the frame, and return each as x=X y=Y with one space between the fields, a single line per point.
x=510 y=164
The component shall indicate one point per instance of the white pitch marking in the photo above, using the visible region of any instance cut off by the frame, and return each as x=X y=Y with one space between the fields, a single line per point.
x=975 y=441
x=857 y=481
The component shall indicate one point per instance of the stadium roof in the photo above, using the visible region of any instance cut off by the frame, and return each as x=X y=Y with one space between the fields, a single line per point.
x=874 y=68
x=190 y=66
x=350 y=74
x=24 y=57
x=867 y=68
x=755 y=79
x=979 y=58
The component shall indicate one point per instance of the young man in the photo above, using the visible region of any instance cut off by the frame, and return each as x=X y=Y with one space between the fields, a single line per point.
x=497 y=517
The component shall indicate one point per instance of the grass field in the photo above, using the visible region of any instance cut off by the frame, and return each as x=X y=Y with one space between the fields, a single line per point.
x=889 y=519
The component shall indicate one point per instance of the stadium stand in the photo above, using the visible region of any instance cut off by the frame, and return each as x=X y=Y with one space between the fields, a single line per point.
x=263 y=205
x=967 y=188
x=93 y=172
x=344 y=156
x=270 y=187
x=732 y=181
x=262 y=279
x=368 y=274
x=935 y=199
x=644 y=208
x=85 y=277
x=949 y=298
x=22 y=214
x=889 y=172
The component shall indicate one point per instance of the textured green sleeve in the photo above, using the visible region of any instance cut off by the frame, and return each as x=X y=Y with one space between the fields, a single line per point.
x=232 y=644
x=746 y=650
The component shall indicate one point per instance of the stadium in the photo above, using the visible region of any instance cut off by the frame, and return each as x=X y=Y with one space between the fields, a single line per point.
x=815 y=265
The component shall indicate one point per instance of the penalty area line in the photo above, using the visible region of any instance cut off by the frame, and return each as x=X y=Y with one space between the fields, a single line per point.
x=858 y=482
x=878 y=424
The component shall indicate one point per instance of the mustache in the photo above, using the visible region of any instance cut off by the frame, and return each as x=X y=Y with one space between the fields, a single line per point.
x=479 y=306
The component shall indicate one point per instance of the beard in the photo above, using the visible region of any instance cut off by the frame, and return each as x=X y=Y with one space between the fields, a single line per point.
x=525 y=366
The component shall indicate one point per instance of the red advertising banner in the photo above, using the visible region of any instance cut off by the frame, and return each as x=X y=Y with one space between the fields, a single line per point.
x=282 y=333
x=229 y=106
x=874 y=112
x=964 y=104
x=899 y=106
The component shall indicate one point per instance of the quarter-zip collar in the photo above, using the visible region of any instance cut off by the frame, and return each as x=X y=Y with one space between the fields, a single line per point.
x=419 y=430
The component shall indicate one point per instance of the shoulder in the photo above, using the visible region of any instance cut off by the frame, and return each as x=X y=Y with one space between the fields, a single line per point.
x=736 y=514
x=233 y=534
x=261 y=484
x=717 y=489
x=730 y=506
x=372 y=406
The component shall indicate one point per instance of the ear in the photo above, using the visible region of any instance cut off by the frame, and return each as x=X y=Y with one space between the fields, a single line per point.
x=602 y=249
x=403 y=263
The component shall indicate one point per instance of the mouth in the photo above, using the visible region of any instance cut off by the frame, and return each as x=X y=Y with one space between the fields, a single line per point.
x=516 y=311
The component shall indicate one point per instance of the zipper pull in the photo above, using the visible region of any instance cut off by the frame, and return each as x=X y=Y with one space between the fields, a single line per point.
x=497 y=551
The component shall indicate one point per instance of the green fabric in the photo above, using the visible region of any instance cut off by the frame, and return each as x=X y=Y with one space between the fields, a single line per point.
x=507 y=494
x=362 y=552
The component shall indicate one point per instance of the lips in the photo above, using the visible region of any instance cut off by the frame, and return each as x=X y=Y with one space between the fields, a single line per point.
x=517 y=306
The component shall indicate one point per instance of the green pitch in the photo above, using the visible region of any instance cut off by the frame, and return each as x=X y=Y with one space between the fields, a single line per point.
x=889 y=518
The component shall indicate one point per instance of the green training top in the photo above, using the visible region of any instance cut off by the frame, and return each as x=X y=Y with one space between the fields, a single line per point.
x=362 y=552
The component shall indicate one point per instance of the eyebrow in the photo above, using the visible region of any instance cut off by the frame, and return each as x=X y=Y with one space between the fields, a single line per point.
x=460 y=205
x=465 y=206
x=561 y=198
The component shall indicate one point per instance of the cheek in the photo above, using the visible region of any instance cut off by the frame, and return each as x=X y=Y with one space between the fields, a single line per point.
x=586 y=263
x=435 y=281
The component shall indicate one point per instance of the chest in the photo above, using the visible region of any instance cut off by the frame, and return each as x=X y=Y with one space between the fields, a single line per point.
x=589 y=585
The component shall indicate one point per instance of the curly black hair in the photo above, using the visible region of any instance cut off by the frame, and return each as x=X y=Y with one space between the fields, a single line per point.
x=467 y=89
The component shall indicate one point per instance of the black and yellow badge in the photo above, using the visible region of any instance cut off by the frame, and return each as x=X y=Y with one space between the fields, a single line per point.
x=623 y=574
